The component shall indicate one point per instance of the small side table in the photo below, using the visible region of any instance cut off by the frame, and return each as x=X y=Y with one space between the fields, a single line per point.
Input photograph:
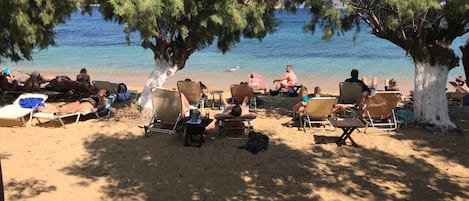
x=195 y=128
x=348 y=125
x=219 y=93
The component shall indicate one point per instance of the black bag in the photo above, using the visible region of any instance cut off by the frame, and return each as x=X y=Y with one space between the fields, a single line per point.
x=257 y=142
x=121 y=88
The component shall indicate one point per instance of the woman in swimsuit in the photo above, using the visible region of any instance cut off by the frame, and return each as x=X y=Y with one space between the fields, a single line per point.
x=92 y=103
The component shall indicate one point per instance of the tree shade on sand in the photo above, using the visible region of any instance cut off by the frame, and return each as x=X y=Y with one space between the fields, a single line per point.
x=425 y=29
x=27 y=25
x=175 y=29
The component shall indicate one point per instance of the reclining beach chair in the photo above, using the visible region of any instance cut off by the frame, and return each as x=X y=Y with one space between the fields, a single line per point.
x=104 y=112
x=191 y=89
x=379 y=110
x=166 y=113
x=317 y=111
x=457 y=97
x=18 y=109
x=350 y=92
x=239 y=91
x=230 y=122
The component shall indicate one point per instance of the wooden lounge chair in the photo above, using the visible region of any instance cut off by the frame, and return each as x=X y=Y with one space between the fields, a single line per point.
x=15 y=111
x=350 y=92
x=317 y=111
x=191 y=89
x=166 y=113
x=379 y=110
x=239 y=91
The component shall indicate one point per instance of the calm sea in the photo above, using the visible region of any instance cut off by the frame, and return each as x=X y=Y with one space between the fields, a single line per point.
x=89 y=41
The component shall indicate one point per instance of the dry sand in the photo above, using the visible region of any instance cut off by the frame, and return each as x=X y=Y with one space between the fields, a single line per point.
x=110 y=159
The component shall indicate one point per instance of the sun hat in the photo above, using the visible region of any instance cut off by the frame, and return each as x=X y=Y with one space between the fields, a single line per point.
x=6 y=70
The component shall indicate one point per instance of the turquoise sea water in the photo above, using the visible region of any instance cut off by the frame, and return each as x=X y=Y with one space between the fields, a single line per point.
x=89 y=41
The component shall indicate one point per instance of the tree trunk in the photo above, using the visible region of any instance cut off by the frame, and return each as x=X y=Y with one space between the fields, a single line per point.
x=162 y=72
x=430 y=103
x=2 y=194
x=465 y=60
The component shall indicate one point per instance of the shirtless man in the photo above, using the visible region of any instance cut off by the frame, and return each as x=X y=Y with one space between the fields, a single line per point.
x=288 y=80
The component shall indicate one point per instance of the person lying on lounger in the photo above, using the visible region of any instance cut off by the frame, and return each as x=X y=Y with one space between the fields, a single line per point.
x=235 y=110
x=92 y=103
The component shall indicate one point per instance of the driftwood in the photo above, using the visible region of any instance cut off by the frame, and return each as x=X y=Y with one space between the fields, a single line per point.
x=465 y=59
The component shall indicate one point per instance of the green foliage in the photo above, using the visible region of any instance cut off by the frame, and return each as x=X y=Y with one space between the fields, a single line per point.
x=174 y=29
x=27 y=24
x=421 y=27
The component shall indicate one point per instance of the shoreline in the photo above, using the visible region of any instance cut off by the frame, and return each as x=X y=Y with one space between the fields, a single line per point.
x=216 y=80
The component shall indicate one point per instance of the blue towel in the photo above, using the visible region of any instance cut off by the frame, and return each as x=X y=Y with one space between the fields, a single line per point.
x=31 y=102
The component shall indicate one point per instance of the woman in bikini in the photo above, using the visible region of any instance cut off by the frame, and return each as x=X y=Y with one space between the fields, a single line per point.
x=92 y=103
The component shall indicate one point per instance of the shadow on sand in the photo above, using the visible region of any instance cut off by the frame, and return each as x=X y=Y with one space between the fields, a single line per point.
x=160 y=168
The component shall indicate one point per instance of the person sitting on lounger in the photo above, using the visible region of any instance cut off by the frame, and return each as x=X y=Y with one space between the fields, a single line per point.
x=256 y=81
x=84 y=78
x=7 y=81
x=287 y=80
x=92 y=103
x=302 y=100
x=354 y=78
x=391 y=85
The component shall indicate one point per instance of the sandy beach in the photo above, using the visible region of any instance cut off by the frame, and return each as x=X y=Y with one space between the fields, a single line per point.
x=110 y=159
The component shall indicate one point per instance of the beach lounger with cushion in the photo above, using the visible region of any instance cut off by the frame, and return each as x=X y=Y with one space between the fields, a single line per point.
x=17 y=111
x=239 y=91
x=191 y=89
x=225 y=122
x=166 y=113
x=59 y=117
x=379 y=110
x=317 y=111
x=350 y=92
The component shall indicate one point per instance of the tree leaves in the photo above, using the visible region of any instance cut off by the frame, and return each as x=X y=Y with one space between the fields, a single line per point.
x=174 y=29
x=26 y=25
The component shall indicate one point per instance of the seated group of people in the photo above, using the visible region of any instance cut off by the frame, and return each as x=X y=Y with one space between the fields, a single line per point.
x=36 y=82
x=304 y=96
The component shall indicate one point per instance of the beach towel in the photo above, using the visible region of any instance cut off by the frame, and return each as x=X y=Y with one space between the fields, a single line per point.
x=31 y=102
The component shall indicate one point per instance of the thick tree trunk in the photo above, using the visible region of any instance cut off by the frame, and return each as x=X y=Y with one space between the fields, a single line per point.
x=162 y=72
x=430 y=103
x=465 y=60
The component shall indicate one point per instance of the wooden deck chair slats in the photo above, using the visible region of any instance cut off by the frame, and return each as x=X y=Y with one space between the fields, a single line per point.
x=239 y=91
x=317 y=111
x=167 y=108
x=350 y=92
x=191 y=89
x=379 y=110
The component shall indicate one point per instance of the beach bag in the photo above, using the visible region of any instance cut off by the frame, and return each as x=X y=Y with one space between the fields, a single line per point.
x=257 y=142
x=31 y=102
x=121 y=88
